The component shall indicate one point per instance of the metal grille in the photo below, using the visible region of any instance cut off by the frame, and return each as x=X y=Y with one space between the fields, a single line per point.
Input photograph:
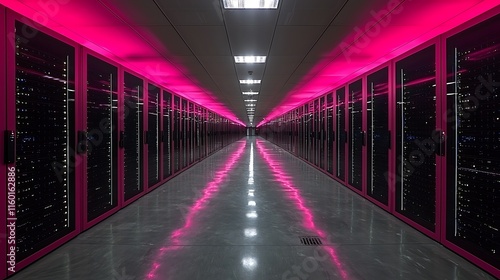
x=310 y=240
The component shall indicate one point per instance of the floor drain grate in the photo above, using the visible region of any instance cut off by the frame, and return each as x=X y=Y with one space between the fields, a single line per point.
x=310 y=240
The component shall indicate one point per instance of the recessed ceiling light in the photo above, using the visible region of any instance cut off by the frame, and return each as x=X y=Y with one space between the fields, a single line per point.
x=250 y=82
x=250 y=100
x=251 y=4
x=250 y=93
x=250 y=59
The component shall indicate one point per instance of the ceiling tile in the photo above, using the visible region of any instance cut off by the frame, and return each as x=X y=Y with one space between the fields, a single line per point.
x=206 y=40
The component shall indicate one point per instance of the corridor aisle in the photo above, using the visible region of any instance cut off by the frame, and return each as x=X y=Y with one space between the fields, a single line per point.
x=240 y=214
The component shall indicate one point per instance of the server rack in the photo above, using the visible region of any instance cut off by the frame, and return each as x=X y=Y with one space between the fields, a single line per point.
x=5 y=165
x=472 y=219
x=356 y=135
x=41 y=128
x=153 y=135
x=100 y=146
x=341 y=139
x=330 y=134
x=322 y=133
x=177 y=134
x=378 y=136
x=132 y=137
x=415 y=126
x=167 y=134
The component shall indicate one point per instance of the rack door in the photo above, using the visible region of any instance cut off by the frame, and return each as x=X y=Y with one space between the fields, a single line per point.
x=341 y=138
x=41 y=151
x=132 y=138
x=101 y=185
x=378 y=138
x=153 y=135
x=167 y=134
x=473 y=146
x=356 y=136
x=416 y=133
x=330 y=134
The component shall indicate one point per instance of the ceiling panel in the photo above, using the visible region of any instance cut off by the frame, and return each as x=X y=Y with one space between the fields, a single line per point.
x=251 y=17
x=218 y=65
x=250 y=39
x=166 y=38
x=206 y=40
x=257 y=71
x=147 y=13
x=311 y=12
x=295 y=40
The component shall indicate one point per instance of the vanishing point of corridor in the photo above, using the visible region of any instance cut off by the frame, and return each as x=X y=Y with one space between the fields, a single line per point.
x=252 y=211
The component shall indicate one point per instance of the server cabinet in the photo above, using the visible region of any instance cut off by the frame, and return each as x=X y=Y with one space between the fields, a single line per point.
x=191 y=131
x=473 y=145
x=40 y=144
x=307 y=132
x=177 y=134
x=341 y=133
x=356 y=135
x=166 y=135
x=378 y=138
x=132 y=137
x=101 y=115
x=330 y=134
x=322 y=133
x=153 y=135
x=185 y=141
x=301 y=140
x=203 y=134
x=416 y=126
x=316 y=132
x=197 y=132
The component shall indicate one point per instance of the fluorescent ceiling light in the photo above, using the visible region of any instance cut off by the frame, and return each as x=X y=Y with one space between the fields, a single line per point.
x=250 y=110
x=250 y=82
x=250 y=105
x=250 y=59
x=250 y=93
x=251 y=4
x=250 y=100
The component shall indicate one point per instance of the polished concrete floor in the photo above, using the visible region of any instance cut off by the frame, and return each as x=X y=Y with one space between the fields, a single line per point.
x=240 y=214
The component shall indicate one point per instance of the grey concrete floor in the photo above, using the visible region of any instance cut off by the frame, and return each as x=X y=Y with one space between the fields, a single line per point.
x=239 y=215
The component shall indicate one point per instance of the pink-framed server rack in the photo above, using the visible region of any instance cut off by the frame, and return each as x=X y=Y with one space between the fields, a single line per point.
x=55 y=159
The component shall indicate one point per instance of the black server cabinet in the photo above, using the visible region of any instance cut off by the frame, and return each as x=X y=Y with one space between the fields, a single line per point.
x=177 y=134
x=45 y=140
x=330 y=134
x=203 y=133
x=341 y=133
x=102 y=137
x=315 y=131
x=191 y=133
x=307 y=132
x=185 y=141
x=132 y=137
x=416 y=126
x=473 y=145
x=356 y=136
x=166 y=136
x=153 y=135
x=322 y=133
x=378 y=136
x=197 y=132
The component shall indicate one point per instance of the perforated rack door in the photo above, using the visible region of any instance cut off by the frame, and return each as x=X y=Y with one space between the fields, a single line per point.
x=416 y=124
x=177 y=133
x=378 y=137
x=355 y=156
x=167 y=134
x=45 y=137
x=153 y=134
x=330 y=134
x=133 y=181
x=473 y=155
x=341 y=133
x=102 y=137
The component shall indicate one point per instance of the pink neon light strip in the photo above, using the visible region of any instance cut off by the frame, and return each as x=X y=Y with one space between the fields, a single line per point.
x=295 y=196
x=209 y=192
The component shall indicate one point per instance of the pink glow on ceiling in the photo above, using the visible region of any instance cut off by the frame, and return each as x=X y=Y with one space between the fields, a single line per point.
x=414 y=23
x=91 y=25
x=294 y=195
x=200 y=204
